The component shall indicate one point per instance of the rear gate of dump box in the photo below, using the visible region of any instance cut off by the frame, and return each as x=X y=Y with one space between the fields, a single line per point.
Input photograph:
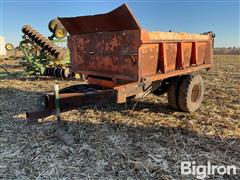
x=105 y=45
x=106 y=54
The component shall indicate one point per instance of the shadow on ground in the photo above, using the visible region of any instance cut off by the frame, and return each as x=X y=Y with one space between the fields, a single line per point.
x=105 y=148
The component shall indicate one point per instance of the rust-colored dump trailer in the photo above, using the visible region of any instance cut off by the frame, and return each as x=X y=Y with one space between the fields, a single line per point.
x=121 y=59
x=114 y=46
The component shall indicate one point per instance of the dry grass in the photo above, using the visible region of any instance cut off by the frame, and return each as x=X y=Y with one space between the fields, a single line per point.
x=114 y=142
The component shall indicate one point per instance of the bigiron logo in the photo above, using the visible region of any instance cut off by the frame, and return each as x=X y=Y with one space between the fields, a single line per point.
x=203 y=171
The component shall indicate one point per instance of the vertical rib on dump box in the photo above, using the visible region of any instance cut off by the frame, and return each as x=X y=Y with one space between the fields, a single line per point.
x=113 y=46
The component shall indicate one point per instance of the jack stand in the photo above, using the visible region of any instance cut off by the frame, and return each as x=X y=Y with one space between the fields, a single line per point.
x=60 y=133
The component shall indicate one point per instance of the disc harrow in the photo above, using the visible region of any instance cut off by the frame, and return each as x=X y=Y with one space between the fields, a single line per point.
x=42 y=54
x=43 y=42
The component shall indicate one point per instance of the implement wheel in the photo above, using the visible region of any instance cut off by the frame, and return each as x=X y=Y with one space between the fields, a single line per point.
x=60 y=32
x=52 y=24
x=9 y=47
x=190 y=95
x=173 y=93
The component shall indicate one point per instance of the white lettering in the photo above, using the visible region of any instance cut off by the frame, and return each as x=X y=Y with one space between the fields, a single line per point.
x=202 y=171
x=186 y=167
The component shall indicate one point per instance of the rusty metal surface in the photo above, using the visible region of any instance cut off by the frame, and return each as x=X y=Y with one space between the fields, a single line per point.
x=148 y=59
x=121 y=59
x=80 y=95
x=100 y=82
x=74 y=97
x=129 y=53
x=107 y=54
x=186 y=52
x=176 y=36
x=119 y=19
x=187 y=70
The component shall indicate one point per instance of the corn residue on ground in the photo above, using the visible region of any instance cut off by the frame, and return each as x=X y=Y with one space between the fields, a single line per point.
x=115 y=141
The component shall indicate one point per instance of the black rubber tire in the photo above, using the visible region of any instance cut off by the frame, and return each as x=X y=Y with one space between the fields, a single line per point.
x=173 y=93
x=162 y=89
x=191 y=91
x=52 y=24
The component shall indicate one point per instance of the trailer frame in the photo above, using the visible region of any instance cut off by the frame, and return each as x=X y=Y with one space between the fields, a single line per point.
x=123 y=61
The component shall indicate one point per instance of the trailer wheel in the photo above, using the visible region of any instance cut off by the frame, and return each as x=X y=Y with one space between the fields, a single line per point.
x=191 y=90
x=9 y=47
x=173 y=93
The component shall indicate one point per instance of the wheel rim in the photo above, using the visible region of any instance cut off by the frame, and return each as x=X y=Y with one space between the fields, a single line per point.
x=196 y=90
x=60 y=33
x=9 y=47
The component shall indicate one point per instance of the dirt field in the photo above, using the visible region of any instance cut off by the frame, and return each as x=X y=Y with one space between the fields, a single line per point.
x=118 y=142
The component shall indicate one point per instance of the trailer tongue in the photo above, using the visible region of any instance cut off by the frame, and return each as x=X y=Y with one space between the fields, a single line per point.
x=121 y=61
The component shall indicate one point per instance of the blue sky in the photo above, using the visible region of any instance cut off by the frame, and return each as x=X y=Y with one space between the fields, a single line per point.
x=220 y=16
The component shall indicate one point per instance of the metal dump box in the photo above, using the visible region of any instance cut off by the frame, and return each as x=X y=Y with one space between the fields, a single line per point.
x=114 y=46
x=123 y=61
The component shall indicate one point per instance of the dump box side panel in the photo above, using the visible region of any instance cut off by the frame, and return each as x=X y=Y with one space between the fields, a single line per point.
x=148 y=55
x=112 y=55
x=175 y=51
x=181 y=55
